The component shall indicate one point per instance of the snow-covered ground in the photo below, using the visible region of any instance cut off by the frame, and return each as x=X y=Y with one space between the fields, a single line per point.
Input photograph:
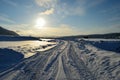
x=69 y=60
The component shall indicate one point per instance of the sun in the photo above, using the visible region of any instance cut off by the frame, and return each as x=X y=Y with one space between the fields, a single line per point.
x=40 y=23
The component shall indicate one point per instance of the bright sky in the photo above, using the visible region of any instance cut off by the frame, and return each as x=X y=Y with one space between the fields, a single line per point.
x=60 y=17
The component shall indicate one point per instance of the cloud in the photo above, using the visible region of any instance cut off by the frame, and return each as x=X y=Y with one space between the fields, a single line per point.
x=66 y=7
x=46 y=3
x=116 y=26
x=114 y=19
x=94 y=3
x=6 y=19
x=111 y=14
x=66 y=11
x=47 y=12
x=76 y=7
x=62 y=30
x=10 y=2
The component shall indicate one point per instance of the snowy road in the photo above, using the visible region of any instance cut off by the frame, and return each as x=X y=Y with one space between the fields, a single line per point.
x=66 y=61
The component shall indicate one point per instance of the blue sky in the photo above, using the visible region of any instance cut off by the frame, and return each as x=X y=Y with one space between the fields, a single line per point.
x=62 y=17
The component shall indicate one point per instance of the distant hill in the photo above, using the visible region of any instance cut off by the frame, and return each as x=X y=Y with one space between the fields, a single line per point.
x=4 y=31
x=8 y=35
x=17 y=38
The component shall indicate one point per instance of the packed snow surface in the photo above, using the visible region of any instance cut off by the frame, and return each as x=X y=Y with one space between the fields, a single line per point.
x=70 y=60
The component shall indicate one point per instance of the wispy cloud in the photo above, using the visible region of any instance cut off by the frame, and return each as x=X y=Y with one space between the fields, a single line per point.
x=6 y=19
x=117 y=26
x=66 y=8
x=48 y=31
x=46 y=3
x=111 y=10
x=17 y=26
x=11 y=2
x=92 y=3
x=66 y=11
x=111 y=14
x=114 y=19
x=77 y=7
x=47 y=12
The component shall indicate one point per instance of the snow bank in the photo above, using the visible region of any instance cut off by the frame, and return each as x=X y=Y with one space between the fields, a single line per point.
x=8 y=58
x=102 y=57
x=109 y=45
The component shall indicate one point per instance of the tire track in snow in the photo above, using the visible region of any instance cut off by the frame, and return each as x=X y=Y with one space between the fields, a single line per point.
x=53 y=64
x=61 y=73
x=84 y=72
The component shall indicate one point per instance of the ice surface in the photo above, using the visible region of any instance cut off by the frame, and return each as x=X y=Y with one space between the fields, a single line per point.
x=27 y=48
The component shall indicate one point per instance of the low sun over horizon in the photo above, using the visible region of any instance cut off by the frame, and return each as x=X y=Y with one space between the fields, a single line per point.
x=60 y=17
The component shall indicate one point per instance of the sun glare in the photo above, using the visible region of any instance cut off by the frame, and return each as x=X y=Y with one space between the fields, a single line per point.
x=40 y=22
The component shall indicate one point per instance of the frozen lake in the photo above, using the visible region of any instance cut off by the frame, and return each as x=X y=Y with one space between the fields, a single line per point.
x=27 y=48
x=5 y=44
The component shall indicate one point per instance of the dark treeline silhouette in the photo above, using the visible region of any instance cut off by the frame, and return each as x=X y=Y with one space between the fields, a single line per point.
x=103 y=36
